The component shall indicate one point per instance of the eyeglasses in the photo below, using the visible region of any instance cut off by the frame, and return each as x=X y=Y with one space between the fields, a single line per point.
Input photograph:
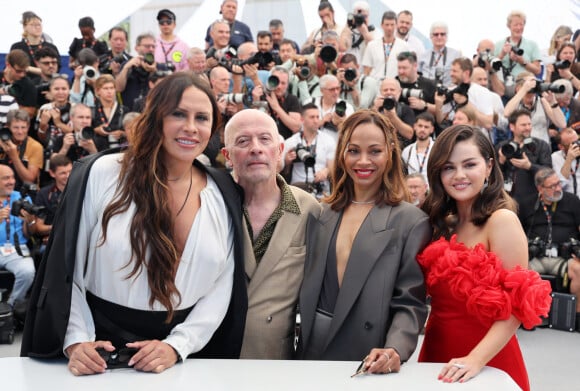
x=555 y=186
x=35 y=24
x=165 y=22
x=439 y=34
x=332 y=88
x=49 y=62
x=150 y=46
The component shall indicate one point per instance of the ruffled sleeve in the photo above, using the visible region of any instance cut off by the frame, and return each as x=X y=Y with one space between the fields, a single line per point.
x=477 y=277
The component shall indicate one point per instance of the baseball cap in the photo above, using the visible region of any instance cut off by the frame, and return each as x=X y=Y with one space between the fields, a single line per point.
x=165 y=13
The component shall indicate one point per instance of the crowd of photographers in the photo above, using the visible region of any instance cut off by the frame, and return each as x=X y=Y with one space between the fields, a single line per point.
x=527 y=107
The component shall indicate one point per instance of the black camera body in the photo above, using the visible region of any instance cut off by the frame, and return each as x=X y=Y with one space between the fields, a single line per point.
x=304 y=155
x=355 y=20
x=569 y=248
x=536 y=248
x=512 y=150
x=350 y=74
x=23 y=204
x=340 y=108
x=542 y=87
x=486 y=57
x=388 y=104
x=517 y=51
x=86 y=133
x=5 y=134
x=461 y=89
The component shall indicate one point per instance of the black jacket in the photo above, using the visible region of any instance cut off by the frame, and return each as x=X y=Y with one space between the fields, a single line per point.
x=49 y=305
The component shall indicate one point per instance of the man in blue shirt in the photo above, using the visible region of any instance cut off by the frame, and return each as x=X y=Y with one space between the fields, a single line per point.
x=239 y=31
x=14 y=254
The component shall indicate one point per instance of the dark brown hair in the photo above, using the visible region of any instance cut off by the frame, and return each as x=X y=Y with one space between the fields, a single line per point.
x=438 y=204
x=143 y=181
x=393 y=189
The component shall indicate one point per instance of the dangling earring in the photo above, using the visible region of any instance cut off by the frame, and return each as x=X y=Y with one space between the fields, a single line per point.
x=485 y=184
x=451 y=221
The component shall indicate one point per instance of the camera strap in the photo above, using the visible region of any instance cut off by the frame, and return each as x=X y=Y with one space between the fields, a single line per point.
x=549 y=221
x=512 y=63
x=358 y=42
x=442 y=54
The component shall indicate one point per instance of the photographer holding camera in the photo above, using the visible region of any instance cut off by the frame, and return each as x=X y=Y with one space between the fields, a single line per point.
x=358 y=90
x=46 y=60
x=357 y=33
x=220 y=36
x=400 y=114
x=551 y=220
x=133 y=80
x=14 y=231
x=15 y=82
x=78 y=143
x=111 y=61
x=539 y=99
x=304 y=82
x=566 y=160
x=265 y=47
x=411 y=80
x=85 y=74
x=522 y=156
x=309 y=154
x=332 y=110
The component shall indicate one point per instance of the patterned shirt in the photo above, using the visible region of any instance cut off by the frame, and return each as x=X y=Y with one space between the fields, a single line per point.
x=288 y=203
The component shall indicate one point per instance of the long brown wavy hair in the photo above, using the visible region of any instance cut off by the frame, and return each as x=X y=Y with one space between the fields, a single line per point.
x=393 y=189
x=439 y=205
x=143 y=181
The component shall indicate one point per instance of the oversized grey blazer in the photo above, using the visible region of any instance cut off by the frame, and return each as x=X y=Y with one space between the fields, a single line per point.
x=273 y=284
x=381 y=302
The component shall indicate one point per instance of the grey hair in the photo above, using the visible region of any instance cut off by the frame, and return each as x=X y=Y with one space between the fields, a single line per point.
x=543 y=174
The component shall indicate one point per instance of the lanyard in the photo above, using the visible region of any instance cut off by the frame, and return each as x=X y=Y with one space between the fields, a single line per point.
x=167 y=52
x=422 y=163
x=549 y=220
x=442 y=54
x=388 y=47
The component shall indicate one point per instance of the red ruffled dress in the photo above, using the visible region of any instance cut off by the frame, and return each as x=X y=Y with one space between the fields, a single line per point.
x=469 y=291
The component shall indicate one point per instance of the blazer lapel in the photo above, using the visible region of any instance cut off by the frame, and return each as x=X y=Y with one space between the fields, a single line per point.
x=367 y=247
x=281 y=239
x=318 y=233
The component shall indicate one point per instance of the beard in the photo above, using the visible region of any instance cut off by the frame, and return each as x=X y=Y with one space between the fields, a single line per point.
x=558 y=195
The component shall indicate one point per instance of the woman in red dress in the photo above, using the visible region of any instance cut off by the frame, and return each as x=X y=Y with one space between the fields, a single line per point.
x=476 y=267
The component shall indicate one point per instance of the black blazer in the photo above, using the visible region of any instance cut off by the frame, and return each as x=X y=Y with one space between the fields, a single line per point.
x=48 y=310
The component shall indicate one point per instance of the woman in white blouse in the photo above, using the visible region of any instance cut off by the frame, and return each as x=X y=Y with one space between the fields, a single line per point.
x=157 y=240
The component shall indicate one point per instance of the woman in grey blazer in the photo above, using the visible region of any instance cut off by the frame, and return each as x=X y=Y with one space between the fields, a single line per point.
x=363 y=294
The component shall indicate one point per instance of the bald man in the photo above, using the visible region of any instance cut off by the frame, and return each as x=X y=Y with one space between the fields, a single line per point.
x=274 y=234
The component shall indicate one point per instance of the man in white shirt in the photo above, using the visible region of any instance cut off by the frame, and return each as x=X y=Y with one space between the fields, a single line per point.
x=380 y=58
x=404 y=26
x=416 y=155
x=309 y=154
x=332 y=110
x=565 y=161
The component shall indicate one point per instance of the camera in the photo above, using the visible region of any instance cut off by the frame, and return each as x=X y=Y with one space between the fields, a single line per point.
x=407 y=93
x=87 y=133
x=486 y=57
x=512 y=150
x=304 y=155
x=545 y=87
x=5 y=134
x=105 y=62
x=90 y=73
x=260 y=58
x=388 y=104
x=22 y=204
x=569 y=248
x=517 y=51
x=340 y=108
x=562 y=64
x=461 y=89
x=272 y=83
x=237 y=98
x=149 y=58
x=14 y=90
x=355 y=20
x=350 y=74
x=536 y=247
x=303 y=67
x=328 y=53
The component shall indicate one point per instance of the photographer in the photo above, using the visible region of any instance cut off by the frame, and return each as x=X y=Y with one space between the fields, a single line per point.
x=521 y=157
x=540 y=101
x=78 y=143
x=400 y=115
x=309 y=154
x=14 y=230
x=220 y=35
x=14 y=82
x=265 y=46
x=48 y=197
x=133 y=79
x=46 y=60
x=19 y=151
x=112 y=61
x=410 y=80
x=464 y=93
x=566 y=160
x=283 y=106
x=492 y=65
x=304 y=82
x=332 y=110
x=358 y=90
x=551 y=220
x=357 y=33
x=85 y=75
x=326 y=14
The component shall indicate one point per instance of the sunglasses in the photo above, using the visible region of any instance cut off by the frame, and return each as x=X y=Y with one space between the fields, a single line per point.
x=165 y=22
x=439 y=34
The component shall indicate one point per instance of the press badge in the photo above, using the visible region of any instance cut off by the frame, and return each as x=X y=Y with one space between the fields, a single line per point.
x=7 y=249
x=507 y=185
